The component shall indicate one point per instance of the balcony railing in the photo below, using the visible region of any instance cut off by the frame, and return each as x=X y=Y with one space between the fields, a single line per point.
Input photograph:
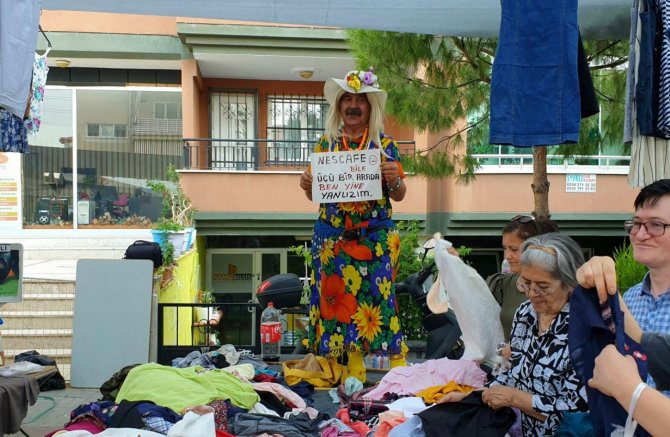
x=523 y=163
x=259 y=154
x=253 y=154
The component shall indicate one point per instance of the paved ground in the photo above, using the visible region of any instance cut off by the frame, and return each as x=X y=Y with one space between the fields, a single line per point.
x=52 y=409
x=59 y=269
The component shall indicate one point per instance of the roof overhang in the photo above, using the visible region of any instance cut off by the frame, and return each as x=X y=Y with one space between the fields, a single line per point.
x=598 y=19
x=264 y=52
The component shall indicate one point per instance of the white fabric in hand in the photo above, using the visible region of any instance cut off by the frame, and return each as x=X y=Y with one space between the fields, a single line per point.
x=476 y=309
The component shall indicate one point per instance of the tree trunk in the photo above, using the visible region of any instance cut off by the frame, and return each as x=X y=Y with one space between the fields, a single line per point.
x=540 y=183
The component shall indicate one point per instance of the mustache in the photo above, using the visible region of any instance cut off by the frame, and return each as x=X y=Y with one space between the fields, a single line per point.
x=353 y=111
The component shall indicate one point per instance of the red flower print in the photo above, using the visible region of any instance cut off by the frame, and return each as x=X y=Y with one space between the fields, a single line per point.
x=335 y=303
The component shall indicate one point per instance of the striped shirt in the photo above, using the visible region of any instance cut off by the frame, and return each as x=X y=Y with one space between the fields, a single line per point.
x=653 y=315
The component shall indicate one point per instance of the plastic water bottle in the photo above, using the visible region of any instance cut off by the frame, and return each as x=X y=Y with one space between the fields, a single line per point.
x=270 y=333
x=504 y=268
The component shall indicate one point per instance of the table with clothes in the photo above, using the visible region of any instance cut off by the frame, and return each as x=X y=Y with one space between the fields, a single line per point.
x=19 y=388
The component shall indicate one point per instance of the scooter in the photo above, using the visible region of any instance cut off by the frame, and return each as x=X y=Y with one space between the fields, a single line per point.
x=444 y=333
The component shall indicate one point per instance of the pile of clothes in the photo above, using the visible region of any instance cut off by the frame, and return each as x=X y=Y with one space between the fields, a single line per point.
x=246 y=398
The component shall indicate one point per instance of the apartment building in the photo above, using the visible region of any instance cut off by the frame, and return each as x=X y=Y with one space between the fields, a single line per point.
x=236 y=107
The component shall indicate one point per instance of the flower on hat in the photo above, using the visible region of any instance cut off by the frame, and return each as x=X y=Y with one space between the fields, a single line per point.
x=360 y=77
x=354 y=81
x=369 y=78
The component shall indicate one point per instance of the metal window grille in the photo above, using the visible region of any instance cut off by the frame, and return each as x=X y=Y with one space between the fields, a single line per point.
x=294 y=123
x=234 y=124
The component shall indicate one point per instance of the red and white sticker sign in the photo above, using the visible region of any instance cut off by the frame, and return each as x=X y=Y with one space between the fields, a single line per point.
x=346 y=176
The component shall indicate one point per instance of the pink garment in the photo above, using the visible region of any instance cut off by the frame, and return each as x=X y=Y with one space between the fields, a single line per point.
x=413 y=379
x=79 y=426
x=388 y=420
x=283 y=393
x=330 y=431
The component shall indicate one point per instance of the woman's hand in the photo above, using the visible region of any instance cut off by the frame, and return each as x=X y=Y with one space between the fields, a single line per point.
x=306 y=183
x=454 y=396
x=506 y=352
x=499 y=396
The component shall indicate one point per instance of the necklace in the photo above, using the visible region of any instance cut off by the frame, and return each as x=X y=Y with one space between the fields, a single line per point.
x=345 y=141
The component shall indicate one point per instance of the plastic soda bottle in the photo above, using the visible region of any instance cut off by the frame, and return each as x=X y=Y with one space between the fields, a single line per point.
x=270 y=333
x=505 y=266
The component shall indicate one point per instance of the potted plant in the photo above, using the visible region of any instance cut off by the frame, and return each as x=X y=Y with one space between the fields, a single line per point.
x=177 y=214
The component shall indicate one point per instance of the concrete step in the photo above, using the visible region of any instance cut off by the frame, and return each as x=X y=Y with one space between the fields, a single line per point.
x=28 y=339
x=37 y=304
x=38 y=287
x=19 y=320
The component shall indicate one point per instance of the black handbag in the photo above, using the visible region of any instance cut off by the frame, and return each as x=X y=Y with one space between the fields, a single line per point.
x=142 y=249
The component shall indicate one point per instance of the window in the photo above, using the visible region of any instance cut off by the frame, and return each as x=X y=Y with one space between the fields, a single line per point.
x=295 y=123
x=167 y=111
x=233 y=126
x=98 y=130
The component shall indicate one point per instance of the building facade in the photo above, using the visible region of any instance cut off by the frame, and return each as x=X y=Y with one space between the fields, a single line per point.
x=236 y=107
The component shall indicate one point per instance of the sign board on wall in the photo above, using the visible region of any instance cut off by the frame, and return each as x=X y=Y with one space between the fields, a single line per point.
x=346 y=176
x=10 y=191
x=11 y=272
x=580 y=183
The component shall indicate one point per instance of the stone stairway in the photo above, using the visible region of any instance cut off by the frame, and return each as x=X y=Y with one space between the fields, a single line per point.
x=42 y=322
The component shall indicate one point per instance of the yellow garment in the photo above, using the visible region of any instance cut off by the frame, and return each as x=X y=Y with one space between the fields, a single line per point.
x=399 y=360
x=318 y=371
x=355 y=367
x=433 y=394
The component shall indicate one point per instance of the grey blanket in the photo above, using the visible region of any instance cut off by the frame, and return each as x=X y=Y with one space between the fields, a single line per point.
x=17 y=393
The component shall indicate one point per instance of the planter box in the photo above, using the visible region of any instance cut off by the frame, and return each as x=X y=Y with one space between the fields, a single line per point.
x=174 y=237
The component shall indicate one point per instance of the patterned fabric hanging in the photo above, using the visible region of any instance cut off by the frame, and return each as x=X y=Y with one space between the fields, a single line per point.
x=13 y=135
x=40 y=71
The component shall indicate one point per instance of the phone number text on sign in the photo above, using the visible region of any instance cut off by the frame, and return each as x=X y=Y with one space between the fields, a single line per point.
x=346 y=176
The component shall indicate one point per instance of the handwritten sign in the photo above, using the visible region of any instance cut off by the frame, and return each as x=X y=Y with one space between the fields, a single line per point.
x=346 y=176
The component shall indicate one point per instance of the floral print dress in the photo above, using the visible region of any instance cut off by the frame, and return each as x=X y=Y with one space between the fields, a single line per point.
x=353 y=305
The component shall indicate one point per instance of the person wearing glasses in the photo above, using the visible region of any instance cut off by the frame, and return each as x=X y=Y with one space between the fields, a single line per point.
x=541 y=382
x=503 y=284
x=648 y=301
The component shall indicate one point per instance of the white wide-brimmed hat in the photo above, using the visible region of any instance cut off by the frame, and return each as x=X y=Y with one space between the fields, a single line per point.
x=355 y=82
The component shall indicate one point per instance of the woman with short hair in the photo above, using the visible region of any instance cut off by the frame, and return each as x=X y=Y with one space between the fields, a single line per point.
x=541 y=382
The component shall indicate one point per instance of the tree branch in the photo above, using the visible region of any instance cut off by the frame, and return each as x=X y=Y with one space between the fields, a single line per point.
x=448 y=138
